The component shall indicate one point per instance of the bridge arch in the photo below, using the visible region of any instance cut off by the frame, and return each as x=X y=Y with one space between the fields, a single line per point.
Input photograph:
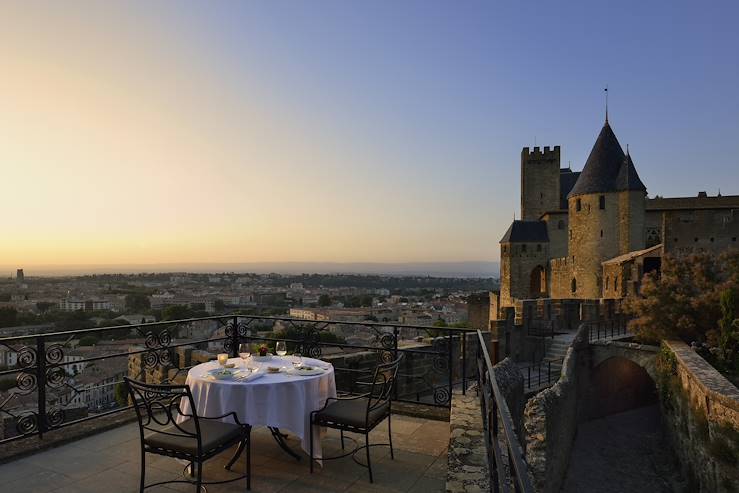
x=622 y=377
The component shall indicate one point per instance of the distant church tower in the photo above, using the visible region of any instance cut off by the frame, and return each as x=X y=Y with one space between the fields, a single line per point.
x=19 y=276
x=606 y=210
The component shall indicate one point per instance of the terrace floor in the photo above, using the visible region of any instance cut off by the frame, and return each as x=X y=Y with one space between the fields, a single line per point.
x=110 y=462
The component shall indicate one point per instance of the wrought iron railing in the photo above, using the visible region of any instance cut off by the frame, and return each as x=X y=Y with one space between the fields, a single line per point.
x=608 y=328
x=499 y=429
x=49 y=386
x=542 y=373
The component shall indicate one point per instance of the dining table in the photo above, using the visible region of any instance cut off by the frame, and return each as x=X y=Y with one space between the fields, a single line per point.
x=273 y=391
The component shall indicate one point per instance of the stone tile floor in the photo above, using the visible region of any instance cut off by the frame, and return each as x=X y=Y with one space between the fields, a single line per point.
x=110 y=462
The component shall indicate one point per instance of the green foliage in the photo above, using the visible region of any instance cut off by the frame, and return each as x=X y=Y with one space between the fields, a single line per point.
x=684 y=302
x=728 y=334
x=45 y=306
x=8 y=317
x=137 y=301
x=121 y=394
x=324 y=300
x=88 y=340
x=179 y=312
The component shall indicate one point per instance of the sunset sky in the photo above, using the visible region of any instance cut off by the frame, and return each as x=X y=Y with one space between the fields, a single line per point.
x=175 y=132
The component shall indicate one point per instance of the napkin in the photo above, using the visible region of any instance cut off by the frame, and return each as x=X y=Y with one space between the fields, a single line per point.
x=248 y=377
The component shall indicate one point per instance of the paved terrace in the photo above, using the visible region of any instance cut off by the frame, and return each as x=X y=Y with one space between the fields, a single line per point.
x=110 y=462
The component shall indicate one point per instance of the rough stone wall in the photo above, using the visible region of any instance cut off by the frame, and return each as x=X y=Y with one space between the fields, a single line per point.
x=701 y=418
x=560 y=277
x=550 y=420
x=539 y=182
x=593 y=238
x=517 y=261
x=613 y=281
x=631 y=221
x=695 y=231
x=478 y=311
x=557 y=225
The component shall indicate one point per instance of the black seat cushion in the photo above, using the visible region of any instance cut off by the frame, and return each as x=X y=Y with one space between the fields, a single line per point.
x=353 y=412
x=213 y=434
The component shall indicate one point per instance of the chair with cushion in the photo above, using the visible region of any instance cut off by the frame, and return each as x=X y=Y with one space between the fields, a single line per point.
x=361 y=413
x=195 y=440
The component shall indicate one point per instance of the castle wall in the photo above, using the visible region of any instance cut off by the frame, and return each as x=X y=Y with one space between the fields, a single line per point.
x=594 y=237
x=539 y=182
x=632 y=221
x=560 y=277
x=518 y=261
x=693 y=231
x=557 y=224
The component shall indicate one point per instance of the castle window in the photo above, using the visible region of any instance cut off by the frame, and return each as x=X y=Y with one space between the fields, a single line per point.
x=523 y=248
x=695 y=239
x=601 y=233
x=504 y=249
x=602 y=201
x=733 y=238
x=573 y=285
x=675 y=240
x=578 y=205
x=711 y=240
x=561 y=224
x=538 y=248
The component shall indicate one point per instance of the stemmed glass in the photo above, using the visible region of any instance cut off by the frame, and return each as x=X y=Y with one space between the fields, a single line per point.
x=244 y=352
x=281 y=348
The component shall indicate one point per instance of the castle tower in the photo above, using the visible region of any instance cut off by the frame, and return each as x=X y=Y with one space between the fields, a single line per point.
x=539 y=182
x=606 y=213
x=524 y=254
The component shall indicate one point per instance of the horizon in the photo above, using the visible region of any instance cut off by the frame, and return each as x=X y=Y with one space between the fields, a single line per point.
x=149 y=134
x=469 y=269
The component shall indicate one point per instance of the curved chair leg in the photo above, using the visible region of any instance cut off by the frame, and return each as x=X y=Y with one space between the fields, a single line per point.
x=342 y=439
x=236 y=455
x=390 y=437
x=143 y=470
x=367 y=448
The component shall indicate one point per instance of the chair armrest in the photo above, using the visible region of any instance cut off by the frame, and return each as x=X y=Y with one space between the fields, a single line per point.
x=232 y=414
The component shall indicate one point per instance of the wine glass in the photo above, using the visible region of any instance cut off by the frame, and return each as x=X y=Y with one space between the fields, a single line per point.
x=281 y=348
x=244 y=352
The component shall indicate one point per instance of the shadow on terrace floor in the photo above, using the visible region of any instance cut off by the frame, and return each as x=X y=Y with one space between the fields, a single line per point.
x=109 y=462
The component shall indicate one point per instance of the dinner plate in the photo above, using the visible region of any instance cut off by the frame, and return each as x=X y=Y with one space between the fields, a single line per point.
x=305 y=372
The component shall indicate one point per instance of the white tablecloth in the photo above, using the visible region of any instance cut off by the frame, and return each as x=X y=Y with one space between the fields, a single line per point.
x=278 y=400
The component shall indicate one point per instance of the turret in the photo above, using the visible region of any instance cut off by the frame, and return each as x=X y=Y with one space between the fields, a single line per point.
x=539 y=182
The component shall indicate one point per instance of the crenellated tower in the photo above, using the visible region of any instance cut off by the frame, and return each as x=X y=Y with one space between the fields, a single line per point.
x=540 y=191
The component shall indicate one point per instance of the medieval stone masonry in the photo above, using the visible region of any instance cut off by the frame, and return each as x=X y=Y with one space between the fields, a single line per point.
x=594 y=234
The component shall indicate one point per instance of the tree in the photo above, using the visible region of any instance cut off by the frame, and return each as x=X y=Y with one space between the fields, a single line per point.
x=88 y=340
x=726 y=339
x=44 y=306
x=137 y=302
x=8 y=317
x=684 y=301
x=121 y=394
x=324 y=300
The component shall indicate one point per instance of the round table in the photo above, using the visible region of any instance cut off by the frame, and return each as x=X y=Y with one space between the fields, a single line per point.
x=278 y=400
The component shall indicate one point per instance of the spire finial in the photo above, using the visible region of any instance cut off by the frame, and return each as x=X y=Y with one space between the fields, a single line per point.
x=627 y=149
x=606 y=91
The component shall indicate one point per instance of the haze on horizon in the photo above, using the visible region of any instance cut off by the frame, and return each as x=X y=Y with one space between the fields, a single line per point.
x=148 y=133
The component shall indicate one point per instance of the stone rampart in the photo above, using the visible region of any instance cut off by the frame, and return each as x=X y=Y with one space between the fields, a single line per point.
x=701 y=411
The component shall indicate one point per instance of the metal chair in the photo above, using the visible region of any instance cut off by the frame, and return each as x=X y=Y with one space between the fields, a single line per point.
x=362 y=413
x=195 y=439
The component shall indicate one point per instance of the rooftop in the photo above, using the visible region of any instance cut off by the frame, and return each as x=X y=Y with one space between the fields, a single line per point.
x=111 y=461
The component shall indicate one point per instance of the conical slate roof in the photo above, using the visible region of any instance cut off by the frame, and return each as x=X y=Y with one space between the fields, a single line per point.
x=607 y=168
x=628 y=178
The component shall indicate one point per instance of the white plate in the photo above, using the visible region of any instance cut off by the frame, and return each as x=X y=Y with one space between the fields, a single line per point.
x=306 y=373
x=262 y=358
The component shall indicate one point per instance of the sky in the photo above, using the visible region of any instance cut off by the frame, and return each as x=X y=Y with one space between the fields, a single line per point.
x=337 y=131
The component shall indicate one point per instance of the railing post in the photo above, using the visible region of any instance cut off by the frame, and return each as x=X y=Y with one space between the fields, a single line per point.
x=463 y=346
x=235 y=338
x=395 y=356
x=41 y=384
x=451 y=366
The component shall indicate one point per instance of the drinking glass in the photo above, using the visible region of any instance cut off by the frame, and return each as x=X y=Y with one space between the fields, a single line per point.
x=297 y=360
x=223 y=360
x=244 y=352
x=281 y=348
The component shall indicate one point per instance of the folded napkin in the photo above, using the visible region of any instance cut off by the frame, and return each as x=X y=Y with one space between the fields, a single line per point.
x=248 y=377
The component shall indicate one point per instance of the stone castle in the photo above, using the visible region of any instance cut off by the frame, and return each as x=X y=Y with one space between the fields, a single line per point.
x=593 y=234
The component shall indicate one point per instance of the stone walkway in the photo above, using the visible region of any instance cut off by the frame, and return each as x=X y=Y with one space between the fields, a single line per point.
x=622 y=452
x=109 y=463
